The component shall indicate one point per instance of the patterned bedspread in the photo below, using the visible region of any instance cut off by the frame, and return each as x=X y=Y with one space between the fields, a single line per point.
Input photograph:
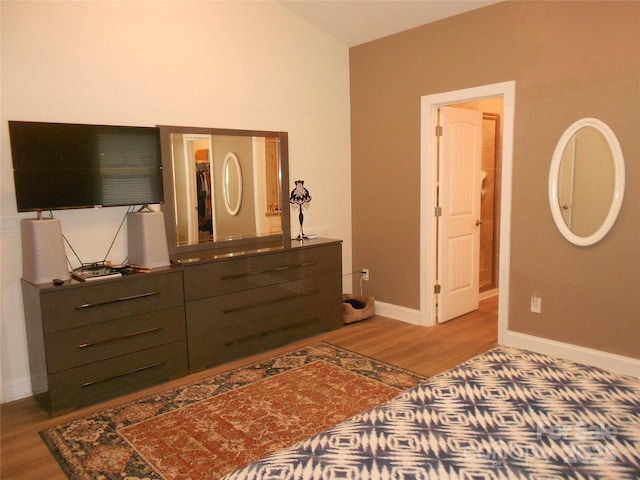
x=507 y=414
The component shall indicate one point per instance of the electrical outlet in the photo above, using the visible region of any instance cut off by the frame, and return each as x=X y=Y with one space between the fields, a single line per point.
x=365 y=274
x=536 y=304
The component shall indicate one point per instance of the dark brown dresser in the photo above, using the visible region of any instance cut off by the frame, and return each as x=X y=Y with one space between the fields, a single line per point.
x=90 y=341
x=241 y=303
x=96 y=340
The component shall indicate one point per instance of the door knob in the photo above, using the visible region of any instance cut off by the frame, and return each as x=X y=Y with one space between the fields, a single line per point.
x=478 y=223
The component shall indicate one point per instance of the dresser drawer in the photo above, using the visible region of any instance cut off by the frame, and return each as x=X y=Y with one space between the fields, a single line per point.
x=98 y=381
x=228 y=326
x=240 y=274
x=242 y=307
x=109 y=299
x=83 y=345
x=213 y=344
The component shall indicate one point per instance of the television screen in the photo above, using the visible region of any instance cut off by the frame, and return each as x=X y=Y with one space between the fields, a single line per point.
x=60 y=165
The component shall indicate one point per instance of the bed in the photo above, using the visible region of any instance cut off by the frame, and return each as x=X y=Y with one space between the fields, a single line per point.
x=506 y=414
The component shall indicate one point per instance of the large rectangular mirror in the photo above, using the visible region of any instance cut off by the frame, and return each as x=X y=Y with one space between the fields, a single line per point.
x=224 y=188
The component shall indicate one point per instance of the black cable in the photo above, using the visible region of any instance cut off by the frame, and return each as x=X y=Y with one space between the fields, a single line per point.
x=70 y=247
x=129 y=210
x=74 y=252
x=83 y=264
x=357 y=271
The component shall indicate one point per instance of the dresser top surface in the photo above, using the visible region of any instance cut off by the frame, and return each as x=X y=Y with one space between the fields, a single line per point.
x=212 y=255
x=73 y=283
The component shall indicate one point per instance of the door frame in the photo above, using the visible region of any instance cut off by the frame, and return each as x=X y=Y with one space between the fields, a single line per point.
x=428 y=169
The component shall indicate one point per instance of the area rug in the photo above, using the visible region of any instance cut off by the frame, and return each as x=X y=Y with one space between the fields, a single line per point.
x=206 y=429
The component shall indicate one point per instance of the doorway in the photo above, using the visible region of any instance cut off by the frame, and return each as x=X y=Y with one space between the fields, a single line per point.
x=492 y=110
x=428 y=251
x=192 y=170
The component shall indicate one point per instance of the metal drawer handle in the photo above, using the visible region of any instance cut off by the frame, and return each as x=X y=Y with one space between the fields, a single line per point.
x=249 y=306
x=122 y=337
x=269 y=270
x=123 y=374
x=117 y=300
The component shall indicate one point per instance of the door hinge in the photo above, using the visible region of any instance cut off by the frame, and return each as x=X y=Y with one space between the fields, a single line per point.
x=436 y=289
x=438 y=211
x=438 y=130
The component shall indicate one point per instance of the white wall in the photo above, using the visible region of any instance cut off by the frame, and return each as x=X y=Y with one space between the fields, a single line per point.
x=246 y=65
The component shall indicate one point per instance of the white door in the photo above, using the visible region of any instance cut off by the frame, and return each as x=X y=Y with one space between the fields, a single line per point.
x=460 y=147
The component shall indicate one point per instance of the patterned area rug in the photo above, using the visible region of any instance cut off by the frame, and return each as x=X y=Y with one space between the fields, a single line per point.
x=212 y=427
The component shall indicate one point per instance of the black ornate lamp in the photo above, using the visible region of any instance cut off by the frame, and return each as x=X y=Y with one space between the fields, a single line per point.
x=300 y=196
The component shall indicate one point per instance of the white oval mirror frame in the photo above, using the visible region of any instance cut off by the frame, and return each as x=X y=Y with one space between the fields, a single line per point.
x=232 y=183
x=618 y=187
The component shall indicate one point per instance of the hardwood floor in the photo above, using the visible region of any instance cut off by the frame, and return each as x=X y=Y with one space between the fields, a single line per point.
x=426 y=350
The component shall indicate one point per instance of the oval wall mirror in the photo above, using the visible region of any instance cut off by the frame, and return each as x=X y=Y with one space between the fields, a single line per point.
x=232 y=183
x=586 y=181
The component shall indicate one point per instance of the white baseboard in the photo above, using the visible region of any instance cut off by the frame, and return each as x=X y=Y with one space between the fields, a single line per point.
x=608 y=361
x=409 y=315
x=488 y=294
x=16 y=389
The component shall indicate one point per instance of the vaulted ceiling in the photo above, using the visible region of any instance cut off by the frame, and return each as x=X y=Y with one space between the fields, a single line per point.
x=353 y=22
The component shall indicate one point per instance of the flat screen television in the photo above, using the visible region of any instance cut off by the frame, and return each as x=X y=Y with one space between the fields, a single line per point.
x=61 y=166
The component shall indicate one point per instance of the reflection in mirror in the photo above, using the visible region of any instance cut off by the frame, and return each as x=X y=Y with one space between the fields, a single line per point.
x=232 y=183
x=226 y=184
x=586 y=181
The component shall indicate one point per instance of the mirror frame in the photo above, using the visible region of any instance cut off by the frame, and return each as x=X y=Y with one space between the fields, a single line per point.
x=618 y=187
x=232 y=159
x=232 y=244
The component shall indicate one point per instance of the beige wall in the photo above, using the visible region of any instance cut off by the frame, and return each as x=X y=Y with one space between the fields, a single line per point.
x=244 y=65
x=569 y=60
